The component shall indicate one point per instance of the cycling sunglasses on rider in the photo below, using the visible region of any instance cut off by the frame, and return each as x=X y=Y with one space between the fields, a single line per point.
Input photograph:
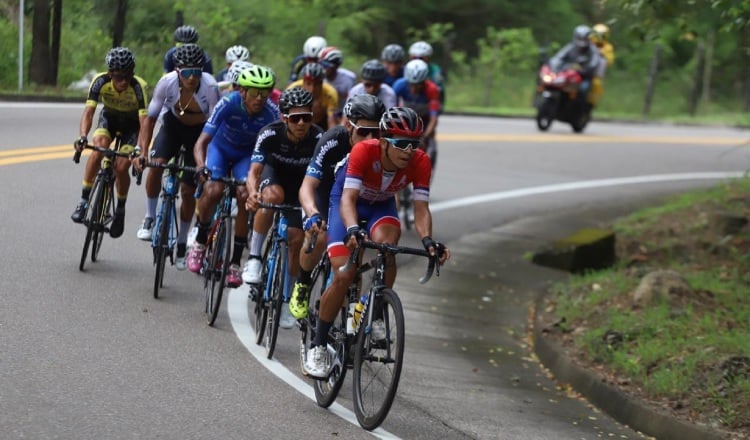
x=404 y=144
x=187 y=72
x=120 y=76
x=253 y=92
x=365 y=131
x=295 y=118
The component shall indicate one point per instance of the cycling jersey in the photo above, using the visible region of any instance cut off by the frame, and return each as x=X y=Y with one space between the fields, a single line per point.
x=332 y=147
x=297 y=64
x=232 y=128
x=167 y=94
x=343 y=82
x=386 y=94
x=169 y=61
x=290 y=160
x=391 y=80
x=435 y=74
x=130 y=104
x=426 y=104
x=328 y=100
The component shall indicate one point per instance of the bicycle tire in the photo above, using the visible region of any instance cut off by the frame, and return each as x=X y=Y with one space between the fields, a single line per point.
x=278 y=285
x=307 y=328
x=327 y=390
x=377 y=364
x=217 y=270
x=164 y=221
x=104 y=218
x=91 y=222
x=261 y=305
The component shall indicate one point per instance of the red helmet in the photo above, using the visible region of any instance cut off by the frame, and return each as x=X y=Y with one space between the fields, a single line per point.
x=401 y=122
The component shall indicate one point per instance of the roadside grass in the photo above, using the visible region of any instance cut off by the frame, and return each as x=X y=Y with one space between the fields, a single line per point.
x=689 y=352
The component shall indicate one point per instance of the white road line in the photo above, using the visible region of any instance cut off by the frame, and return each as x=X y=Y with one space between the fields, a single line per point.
x=237 y=302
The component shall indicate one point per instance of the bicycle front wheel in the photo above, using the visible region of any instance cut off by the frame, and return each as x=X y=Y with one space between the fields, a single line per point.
x=277 y=300
x=104 y=218
x=378 y=359
x=92 y=221
x=261 y=303
x=218 y=264
x=161 y=250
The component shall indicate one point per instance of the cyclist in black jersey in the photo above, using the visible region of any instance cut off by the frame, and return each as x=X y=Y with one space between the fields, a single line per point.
x=280 y=158
x=123 y=96
x=362 y=116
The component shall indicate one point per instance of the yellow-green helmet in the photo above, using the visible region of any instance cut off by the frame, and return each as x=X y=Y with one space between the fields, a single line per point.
x=257 y=76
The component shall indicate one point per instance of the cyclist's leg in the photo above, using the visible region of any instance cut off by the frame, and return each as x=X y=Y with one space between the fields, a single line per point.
x=188 y=136
x=129 y=132
x=102 y=138
x=384 y=227
x=307 y=261
x=240 y=169
x=271 y=192
x=212 y=192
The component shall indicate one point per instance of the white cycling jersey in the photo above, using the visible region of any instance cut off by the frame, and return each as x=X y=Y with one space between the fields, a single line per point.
x=386 y=94
x=167 y=94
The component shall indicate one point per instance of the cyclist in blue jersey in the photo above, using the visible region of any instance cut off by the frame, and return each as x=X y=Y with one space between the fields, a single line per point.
x=310 y=54
x=183 y=35
x=394 y=58
x=362 y=117
x=422 y=50
x=226 y=146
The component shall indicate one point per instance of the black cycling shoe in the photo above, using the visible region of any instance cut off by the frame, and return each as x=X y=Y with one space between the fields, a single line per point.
x=118 y=223
x=80 y=212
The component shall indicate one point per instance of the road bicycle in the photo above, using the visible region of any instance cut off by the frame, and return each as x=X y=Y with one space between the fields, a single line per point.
x=166 y=224
x=101 y=202
x=376 y=357
x=218 y=248
x=275 y=282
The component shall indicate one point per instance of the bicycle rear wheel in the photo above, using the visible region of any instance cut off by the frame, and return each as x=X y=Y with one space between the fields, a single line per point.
x=277 y=299
x=104 y=218
x=261 y=304
x=218 y=264
x=163 y=222
x=378 y=363
x=338 y=345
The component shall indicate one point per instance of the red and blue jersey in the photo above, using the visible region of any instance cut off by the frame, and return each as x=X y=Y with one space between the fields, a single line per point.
x=426 y=104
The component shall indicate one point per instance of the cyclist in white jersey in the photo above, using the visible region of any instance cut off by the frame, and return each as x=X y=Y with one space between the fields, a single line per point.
x=340 y=78
x=373 y=76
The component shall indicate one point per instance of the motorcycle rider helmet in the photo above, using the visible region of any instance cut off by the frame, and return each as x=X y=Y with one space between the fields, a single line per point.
x=233 y=74
x=188 y=55
x=401 y=122
x=420 y=49
x=294 y=97
x=581 y=36
x=364 y=106
x=393 y=53
x=313 y=46
x=186 y=34
x=236 y=53
x=416 y=71
x=373 y=70
x=121 y=59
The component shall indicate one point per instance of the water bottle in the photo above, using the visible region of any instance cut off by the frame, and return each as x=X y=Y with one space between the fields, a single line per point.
x=351 y=329
x=358 y=308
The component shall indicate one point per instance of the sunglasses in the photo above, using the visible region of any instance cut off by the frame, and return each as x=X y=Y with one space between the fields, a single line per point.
x=193 y=71
x=367 y=85
x=403 y=144
x=365 y=131
x=252 y=92
x=119 y=76
x=295 y=118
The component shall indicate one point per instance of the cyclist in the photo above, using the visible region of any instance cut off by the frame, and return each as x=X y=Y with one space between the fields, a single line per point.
x=233 y=74
x=281 y=156
x=364 y=190
x=362 y=117
x=340 y=78
x=183 y=99
x=233 y=53
x=310 y=54
x=183 y=35
x=394 y=58
x=325 y=97
x=583 y=52
x=224 y=146
x=422 y=50
x=123 y=96
x=419 y=93
x=600 y=37
x=373 y=75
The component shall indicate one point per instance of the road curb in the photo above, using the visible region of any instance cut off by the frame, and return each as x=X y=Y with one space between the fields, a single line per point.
x=625 y=409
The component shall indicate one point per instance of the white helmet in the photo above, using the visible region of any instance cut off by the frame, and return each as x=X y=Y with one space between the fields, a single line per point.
x=236 y=53
x=416 y=71
x=313 y=46
x=420 y=49
x=238 y=66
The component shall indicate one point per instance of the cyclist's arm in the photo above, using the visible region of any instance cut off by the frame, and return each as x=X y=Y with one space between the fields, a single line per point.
x=348 y=208
x=87 y=119
x=200 y=149
x=146 y=133
x=307 y=195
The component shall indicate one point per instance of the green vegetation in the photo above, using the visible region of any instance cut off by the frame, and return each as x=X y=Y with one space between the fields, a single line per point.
x=689 y=351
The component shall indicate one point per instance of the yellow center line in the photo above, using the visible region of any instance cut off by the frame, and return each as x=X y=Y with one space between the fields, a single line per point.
x=21 y=151
x=40 y=157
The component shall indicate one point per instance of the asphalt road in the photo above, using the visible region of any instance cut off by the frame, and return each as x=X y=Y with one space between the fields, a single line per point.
x=92 y=355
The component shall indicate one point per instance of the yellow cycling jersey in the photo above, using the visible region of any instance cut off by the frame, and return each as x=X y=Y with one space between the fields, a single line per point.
x=329 y=97
x=608 y=52
x=131 y=103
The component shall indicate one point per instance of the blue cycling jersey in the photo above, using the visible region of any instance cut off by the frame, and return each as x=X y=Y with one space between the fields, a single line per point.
x=233 y=128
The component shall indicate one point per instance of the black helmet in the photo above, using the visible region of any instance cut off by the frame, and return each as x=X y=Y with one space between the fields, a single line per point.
x=393 y=53
x=294 y=97
x=186 y=34
x=373 y=70
x=402 y=122
x=312 y=71
x=120 y=58
x=188 y=55
x=364 y=106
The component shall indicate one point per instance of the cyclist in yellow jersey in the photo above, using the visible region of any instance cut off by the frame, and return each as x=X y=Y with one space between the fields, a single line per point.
x=325 y=96
x=600 y=37
x=123 y=96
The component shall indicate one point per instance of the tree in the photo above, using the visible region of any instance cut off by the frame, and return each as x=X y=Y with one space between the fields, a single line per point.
x=118 y=30
x=40 y=70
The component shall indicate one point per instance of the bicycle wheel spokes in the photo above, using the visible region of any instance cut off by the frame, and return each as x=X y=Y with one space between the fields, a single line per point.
x=378 y=362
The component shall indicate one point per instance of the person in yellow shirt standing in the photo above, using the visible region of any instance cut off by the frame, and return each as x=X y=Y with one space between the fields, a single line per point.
x=600 y=38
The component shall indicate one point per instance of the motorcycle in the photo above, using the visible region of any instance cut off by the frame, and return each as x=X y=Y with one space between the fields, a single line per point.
x=557 y=91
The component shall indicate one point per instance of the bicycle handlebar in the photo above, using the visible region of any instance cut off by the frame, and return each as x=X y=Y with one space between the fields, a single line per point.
x=385 y=248
x=311 y=245
x=207 y=173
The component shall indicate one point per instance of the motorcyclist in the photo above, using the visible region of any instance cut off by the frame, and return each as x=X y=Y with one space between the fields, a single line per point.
x=583 y=53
